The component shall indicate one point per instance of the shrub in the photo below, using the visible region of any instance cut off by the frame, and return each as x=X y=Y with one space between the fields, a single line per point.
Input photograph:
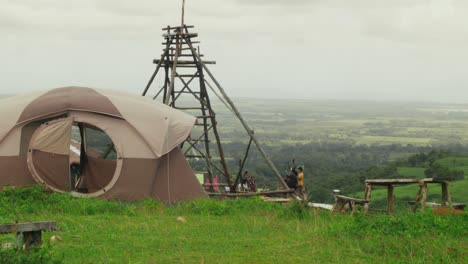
x=36 y=254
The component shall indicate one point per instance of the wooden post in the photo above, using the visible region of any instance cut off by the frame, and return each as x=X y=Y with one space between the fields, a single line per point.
x=444 y=194
x=241 y=119
x=424 y=196
x=449 y=198
x=390 y=205
x=29 y=238
x=353 y=207
x=418 y=198
x=367 y=196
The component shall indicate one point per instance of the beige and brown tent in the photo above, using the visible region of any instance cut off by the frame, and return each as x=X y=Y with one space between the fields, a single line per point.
x=96 y=143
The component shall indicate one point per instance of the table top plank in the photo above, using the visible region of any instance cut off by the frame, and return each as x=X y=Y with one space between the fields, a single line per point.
x=28 y=227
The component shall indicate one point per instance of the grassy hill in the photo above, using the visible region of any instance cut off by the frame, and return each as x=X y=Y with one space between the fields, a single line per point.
x=230 y=231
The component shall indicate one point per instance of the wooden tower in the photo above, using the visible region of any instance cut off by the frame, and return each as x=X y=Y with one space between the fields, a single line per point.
x=183 y=86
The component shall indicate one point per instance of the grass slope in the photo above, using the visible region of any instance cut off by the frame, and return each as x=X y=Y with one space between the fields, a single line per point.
x=232 y=231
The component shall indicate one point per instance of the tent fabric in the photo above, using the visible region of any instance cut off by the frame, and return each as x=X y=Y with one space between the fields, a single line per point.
x=54 y=137
x=15 y=172
x=52 y=168
x=11 y=109
x=9 y=144
x=118 y=129
x=35 y=143
x=172 y=183
x=98 y=173
x=68 y=98
x=162 y=127
x=172 y=180
x=172 y=127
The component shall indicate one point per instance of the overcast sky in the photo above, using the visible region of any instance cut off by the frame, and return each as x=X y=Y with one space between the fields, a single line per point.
x=317 y=49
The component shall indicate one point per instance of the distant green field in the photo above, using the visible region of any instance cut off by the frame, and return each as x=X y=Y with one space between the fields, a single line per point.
x=363 y=123
x=459 y=163
x=412 y=172
x=383 y=140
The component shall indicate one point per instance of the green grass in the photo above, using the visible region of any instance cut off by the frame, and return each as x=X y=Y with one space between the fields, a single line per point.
x=232 y=231
x=459 y=163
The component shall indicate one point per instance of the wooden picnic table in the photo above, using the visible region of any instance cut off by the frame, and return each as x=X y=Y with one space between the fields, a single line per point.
x=421 y=195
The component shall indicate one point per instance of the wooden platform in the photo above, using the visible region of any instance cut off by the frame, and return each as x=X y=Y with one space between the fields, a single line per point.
x=276 y=200
x=321 y=205
x=249 y=194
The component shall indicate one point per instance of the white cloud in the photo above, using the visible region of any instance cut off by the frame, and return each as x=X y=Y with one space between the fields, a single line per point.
x=315 y=48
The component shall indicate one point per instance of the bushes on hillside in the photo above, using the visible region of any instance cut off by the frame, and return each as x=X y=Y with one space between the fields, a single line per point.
x=435 y=170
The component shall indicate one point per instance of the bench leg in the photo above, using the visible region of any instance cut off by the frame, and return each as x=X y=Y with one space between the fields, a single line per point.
x=29 y=239
x=353 y=207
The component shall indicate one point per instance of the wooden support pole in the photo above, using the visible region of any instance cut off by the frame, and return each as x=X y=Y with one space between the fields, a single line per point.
x=367 y=196
x=418 y=198
x=449 y=198
x=390 y=205
x=167 y=99
x=444 y=194
x=352 y=205
x=169 y=42
x=241 y=167
x=424 y=196
x=241 y=119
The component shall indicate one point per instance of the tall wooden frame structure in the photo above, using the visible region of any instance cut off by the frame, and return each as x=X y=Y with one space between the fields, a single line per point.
x=182 y=63
x=183 y=76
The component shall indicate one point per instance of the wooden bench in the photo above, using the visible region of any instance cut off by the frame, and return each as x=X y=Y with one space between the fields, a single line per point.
x=29 y=233
x=342 y=201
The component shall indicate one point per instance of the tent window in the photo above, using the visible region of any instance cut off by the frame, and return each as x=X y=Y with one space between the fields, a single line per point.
x=97 y=140
x=72 y=156
x=92 y=158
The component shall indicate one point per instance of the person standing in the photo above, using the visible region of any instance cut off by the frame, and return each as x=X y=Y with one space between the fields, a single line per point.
x=245 y=181
x=300 y=184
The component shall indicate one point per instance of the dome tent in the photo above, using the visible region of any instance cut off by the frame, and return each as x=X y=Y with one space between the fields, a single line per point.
x=127 y=146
